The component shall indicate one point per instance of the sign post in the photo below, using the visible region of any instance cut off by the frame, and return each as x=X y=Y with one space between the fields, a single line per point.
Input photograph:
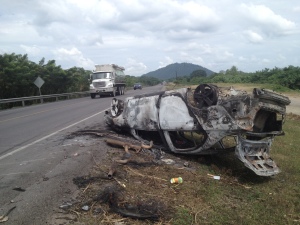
x=39 y=83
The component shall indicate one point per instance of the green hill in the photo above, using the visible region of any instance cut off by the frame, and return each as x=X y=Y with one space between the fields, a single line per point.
x=179 y=69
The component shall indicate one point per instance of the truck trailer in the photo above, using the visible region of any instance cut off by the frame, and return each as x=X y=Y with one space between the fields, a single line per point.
x=108 y=79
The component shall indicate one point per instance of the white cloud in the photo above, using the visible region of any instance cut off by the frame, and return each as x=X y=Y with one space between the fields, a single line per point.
x=253 y=37
x=269 y=22
x=31 y=50
x=167 y=61
x=135 y=67
x=169 y=18
x=90 y=39
x=224 y=56
x=281 y=57
x=56 y=12
x=186 y=57
x=73 y=54
x=296 y=9
x=142 y=35
x=190 y=16
x=241 y=58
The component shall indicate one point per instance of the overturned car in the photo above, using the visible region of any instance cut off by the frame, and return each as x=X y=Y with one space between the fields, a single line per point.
x=207 y=120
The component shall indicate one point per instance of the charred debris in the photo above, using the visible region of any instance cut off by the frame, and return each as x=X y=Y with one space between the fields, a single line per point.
x=206 y=120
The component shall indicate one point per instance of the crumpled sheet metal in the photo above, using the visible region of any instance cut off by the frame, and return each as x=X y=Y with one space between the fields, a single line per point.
x=212 y=113
x=255 y=156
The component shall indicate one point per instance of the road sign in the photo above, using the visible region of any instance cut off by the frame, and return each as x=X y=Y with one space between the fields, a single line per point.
x=39 y=82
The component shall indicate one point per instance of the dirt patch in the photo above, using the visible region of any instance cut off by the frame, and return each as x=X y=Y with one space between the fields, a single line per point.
x=294 y=107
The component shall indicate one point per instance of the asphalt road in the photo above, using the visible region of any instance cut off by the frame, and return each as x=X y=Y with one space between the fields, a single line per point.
x=38 y=161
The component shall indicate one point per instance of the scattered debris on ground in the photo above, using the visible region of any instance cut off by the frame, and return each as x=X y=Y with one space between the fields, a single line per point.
x=133 y=184
x=4 y=218
x=19 y=189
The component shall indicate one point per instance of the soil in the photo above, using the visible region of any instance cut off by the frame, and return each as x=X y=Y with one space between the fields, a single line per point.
x=294 y=107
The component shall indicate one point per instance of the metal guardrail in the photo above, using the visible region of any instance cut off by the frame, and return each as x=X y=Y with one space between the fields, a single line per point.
x=42 y=97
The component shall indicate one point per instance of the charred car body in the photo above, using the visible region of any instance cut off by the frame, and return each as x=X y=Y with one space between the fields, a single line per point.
x=201 y=121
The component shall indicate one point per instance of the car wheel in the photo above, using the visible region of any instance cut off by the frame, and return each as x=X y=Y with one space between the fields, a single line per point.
x=205 y=95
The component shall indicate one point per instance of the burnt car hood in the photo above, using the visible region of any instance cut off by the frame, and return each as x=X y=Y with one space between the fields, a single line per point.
x=199 y=121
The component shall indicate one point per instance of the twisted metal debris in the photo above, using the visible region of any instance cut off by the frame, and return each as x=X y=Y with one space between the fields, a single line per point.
x=201 y=121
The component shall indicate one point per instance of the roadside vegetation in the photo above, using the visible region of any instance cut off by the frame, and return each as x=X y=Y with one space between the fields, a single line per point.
x=277 y=79
x=17 y=74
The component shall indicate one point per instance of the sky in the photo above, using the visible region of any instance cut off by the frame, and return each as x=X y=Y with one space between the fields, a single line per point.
x=145 y=35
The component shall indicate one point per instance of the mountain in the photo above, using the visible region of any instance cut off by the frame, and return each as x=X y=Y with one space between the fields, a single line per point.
x=181 y=69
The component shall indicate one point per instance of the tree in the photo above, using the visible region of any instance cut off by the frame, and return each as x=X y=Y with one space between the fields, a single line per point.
x=232 y=71
x=198 y=73
x=42 y=61
x=17 y=75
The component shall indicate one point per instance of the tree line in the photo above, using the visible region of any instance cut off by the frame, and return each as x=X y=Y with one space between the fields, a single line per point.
x=17 y=76
x=277 y=78
x=18 y=73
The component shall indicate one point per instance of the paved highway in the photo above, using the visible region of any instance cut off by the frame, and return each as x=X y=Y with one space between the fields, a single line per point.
x=37 y=158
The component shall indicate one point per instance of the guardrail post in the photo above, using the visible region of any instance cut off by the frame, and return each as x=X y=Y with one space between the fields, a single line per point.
x=23 y=103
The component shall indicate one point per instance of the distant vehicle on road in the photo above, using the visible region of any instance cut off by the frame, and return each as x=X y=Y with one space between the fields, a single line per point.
x=137 y=86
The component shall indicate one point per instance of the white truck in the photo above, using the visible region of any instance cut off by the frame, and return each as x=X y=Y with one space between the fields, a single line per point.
x=108 y=79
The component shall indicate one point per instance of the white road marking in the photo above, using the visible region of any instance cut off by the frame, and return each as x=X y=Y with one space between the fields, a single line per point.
x=47 y=136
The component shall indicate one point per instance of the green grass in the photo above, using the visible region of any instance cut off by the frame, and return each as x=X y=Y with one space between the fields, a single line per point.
x=182 y=216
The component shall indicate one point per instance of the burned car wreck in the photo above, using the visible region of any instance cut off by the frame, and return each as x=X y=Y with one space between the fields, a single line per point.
x=201 y=121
